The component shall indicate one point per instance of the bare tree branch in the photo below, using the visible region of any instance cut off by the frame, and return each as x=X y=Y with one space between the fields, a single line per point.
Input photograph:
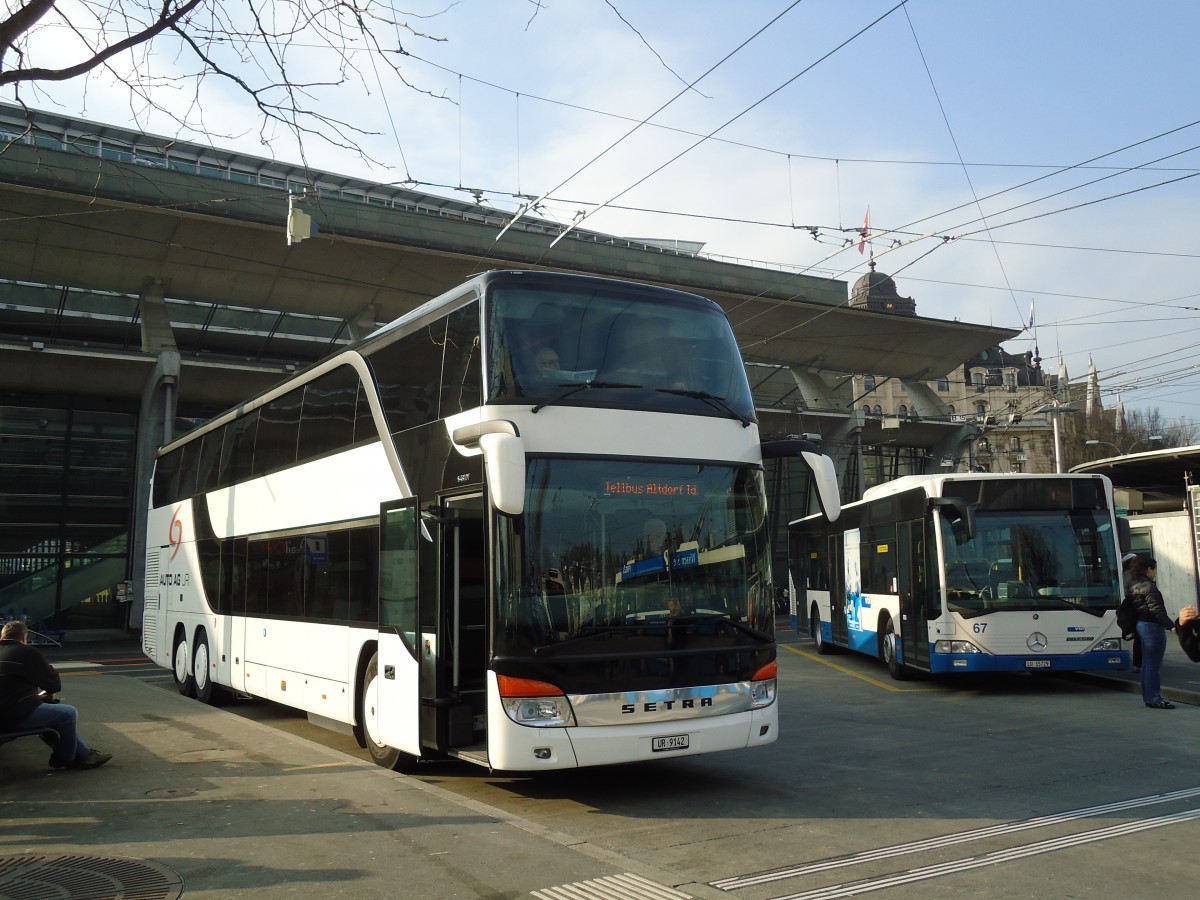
x=166 y=20
x=284 y=56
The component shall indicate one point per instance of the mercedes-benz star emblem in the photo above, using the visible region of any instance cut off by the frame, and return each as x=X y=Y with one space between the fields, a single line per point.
x=1037 y=642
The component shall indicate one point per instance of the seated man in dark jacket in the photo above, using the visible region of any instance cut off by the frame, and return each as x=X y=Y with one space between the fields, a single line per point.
x=28 y=684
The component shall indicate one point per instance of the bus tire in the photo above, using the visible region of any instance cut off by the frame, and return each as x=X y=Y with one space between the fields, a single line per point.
x=381 y=754
x=887 y=652
x=207 y=690
x=814 y=631
x=181 y=666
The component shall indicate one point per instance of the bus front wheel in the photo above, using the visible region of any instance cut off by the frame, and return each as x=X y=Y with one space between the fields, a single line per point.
x=381 y=753
x=814 y=631
x=181 y=666
x=887 y=650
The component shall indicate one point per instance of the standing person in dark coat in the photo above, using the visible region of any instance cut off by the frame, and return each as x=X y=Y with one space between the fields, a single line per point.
x=1152 y=627
x=28 y=685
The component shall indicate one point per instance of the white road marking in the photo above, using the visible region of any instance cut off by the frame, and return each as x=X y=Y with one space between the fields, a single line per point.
x=852 y=889
x=612 y=887
x=949 y=840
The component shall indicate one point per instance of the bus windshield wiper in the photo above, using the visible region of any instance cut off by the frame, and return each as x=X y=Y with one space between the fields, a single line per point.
x=577 y=386
x=589 y=635
x=725 y=620
x=711 y=399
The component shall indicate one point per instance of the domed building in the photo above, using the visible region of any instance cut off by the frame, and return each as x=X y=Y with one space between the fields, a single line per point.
x=877 y=292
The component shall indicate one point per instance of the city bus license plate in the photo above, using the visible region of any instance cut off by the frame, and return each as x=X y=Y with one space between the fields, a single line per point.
x=672 y=742
x=1037 y=663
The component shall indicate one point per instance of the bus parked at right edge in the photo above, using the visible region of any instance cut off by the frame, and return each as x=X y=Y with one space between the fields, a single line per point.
x=968 y=573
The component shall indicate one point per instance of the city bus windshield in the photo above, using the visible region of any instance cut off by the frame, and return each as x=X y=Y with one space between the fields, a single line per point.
x=1032 y=560
x=614 y=549
x=568 y=342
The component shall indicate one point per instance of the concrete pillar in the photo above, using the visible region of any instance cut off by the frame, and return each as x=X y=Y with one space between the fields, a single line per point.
x=156 y=421
x=924 y=401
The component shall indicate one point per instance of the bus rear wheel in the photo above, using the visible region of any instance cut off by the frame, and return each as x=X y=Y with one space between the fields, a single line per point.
x=381 y=753
x=887 y=650
x=814 y=631
x=181 y=666
x=207 y=690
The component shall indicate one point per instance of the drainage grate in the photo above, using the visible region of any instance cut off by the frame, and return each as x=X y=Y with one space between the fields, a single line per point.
x=86 y=878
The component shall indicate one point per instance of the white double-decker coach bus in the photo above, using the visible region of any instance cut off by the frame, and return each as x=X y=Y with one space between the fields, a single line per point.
x=523 y=525
x=968 y=573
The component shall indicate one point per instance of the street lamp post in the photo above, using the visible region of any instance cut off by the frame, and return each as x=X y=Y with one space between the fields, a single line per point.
x=1054 y=409
x=1120 y=452
x=1145 y=440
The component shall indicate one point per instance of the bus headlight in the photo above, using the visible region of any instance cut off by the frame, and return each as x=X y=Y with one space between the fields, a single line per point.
x=536 y=703
x=763 y=686
x=1108 y=645
x=956 y=647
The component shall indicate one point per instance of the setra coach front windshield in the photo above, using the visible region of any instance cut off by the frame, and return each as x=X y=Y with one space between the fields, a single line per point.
x=613 y=558
x=1039 y=544
x=590 y=342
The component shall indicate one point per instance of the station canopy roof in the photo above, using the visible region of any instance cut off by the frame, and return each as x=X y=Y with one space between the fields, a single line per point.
x=1160 y=475
x=86 y=220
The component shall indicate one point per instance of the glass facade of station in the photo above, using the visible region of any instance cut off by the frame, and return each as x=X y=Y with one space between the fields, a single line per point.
x=66 y=482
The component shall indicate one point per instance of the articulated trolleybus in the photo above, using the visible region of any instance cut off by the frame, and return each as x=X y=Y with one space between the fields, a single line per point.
x=523 y=525
x=968 y=573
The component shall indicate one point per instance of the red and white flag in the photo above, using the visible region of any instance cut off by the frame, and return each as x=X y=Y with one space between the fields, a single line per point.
x=862 y=241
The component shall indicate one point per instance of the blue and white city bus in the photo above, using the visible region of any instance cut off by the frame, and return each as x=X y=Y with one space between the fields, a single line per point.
x=968 y=573
x=443 y=537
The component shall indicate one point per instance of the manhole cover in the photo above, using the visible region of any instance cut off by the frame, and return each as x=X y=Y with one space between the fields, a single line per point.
x=86 y=878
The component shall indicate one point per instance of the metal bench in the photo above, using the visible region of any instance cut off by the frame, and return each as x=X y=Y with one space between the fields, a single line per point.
x=49 y=735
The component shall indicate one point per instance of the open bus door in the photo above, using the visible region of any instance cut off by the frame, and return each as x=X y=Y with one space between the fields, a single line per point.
x=453 y=676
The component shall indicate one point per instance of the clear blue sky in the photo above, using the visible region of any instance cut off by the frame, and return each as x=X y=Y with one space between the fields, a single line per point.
x=935 y=117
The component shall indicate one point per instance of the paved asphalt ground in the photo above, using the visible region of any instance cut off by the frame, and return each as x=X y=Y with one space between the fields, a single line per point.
x=203 y=802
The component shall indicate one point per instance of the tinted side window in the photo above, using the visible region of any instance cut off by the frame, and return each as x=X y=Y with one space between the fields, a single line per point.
x=363 y=565
x=237 y=451
x=278 y=427
x=209 y=464
x=461 y=372
x=879 y=559
x=257 y=571
x=364 y=422
x=408 y=373
x=327 y=420
x=184 y=484
x=233 y=576
x=285 y=584
x=326 y=575
x=166 y=474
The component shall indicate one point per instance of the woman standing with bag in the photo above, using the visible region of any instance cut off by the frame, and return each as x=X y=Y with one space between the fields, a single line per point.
x=1152 y=627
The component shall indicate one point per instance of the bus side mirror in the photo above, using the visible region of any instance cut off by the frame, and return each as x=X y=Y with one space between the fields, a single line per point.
x=1124 y=535
x=959 y=513
x=504 y=460
x=821 y=466
x=825 y=478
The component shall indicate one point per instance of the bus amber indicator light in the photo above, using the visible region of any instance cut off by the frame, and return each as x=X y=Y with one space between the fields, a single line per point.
x=770 y=670
x=525 y=687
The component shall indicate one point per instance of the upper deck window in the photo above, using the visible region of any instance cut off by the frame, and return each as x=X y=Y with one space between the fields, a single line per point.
x=635 y=347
